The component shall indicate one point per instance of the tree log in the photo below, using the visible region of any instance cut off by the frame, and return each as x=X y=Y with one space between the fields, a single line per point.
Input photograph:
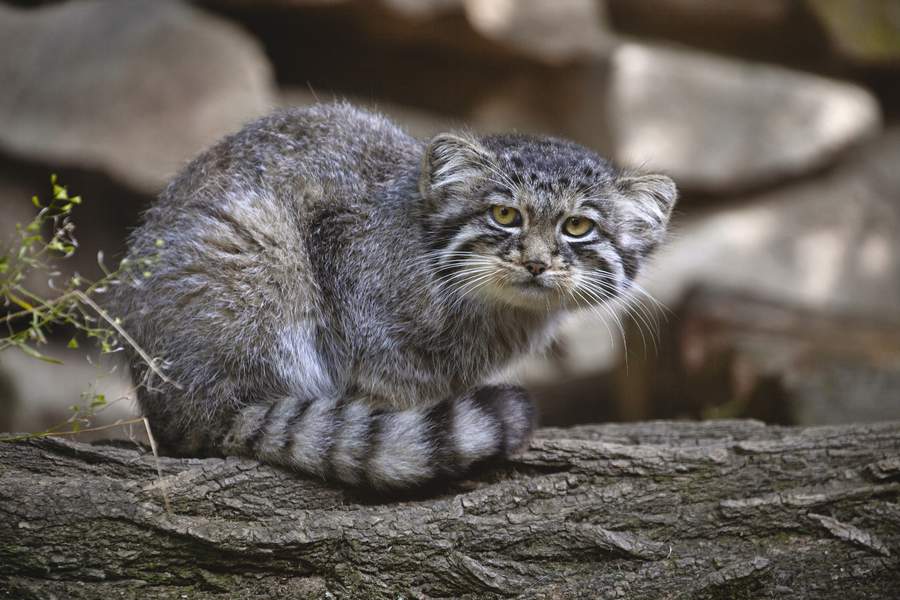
x=723 y=509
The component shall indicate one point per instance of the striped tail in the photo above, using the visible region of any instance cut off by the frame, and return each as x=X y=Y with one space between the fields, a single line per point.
x=350 y=442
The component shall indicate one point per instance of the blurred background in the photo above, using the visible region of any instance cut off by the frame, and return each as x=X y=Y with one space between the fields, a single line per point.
x=778 y=294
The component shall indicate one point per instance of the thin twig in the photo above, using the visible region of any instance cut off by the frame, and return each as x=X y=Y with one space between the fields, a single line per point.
x=162 y=484
x=106 y=317
x=29 y=436
x=49 y=304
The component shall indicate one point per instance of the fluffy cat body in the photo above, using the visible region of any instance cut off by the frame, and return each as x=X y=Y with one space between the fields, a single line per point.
x=330 y=294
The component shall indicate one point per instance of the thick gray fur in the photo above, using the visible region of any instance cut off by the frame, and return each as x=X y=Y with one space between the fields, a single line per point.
x=331 y=294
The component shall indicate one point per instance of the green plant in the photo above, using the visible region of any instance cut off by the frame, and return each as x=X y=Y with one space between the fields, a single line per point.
x=34 y=252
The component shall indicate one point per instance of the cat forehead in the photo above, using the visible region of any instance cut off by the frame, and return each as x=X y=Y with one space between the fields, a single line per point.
x=548 y=164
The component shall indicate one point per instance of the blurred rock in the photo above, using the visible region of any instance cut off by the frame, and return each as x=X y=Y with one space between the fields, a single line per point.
x=422 y=9
x=575 y=108
x=780 y=32
x=758 y=12
x=830 y=244
x=719 y=125
x=134 y=88
x=45 y=392
x=716 y=125
x=287 y=3
x=553 y=32
x=863 y=32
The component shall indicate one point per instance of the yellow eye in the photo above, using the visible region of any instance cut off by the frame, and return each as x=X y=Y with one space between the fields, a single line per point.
x=578 y=226
x=506 y=215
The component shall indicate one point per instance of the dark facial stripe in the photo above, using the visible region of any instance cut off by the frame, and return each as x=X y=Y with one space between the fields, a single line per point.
x=582 y=243
x=630 y=265
x=445 y=231
x=567 y=253
x=494 y=237
x=513 y=242
x=448 y=270
x=630 y=260
x=468 y=246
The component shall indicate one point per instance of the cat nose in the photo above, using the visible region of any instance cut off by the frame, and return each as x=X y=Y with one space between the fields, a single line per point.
x=535 y=267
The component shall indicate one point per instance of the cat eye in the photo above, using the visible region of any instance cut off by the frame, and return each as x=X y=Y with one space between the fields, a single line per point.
x=578 y=226
x=507 y=216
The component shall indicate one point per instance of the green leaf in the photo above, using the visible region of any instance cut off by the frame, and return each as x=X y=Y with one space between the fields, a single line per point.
x=73 y=344
x=35 y=354
x=98 y=400
x=4 y=264
x=36 y=201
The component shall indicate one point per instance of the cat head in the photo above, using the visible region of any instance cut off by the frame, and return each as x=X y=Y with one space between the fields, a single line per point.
x=537 y=223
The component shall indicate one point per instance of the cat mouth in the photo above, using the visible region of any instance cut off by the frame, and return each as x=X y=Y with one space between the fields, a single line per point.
x=534 y=287
x=533 y=293
x=533 y=284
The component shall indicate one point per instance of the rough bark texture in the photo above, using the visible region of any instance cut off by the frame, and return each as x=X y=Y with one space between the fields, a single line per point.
x=730 y=509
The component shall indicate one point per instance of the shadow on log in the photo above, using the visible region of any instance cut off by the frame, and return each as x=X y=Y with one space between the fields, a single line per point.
x=727 y=509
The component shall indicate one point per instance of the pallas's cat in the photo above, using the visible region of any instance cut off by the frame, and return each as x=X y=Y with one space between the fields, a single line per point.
x=330 y=294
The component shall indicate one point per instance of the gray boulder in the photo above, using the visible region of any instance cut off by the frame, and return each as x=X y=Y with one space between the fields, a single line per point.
x=132 y=88
x=721 y=125
x=830 y=244
x=550 y=32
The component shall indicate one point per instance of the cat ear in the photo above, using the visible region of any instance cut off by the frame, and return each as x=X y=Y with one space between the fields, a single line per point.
x=451 y=161
x=648 y=206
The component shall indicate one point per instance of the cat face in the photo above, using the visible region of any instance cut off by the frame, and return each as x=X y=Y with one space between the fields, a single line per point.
x=537 y=223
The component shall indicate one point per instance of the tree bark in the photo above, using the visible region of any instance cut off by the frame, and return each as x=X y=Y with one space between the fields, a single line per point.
x=728 y=509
